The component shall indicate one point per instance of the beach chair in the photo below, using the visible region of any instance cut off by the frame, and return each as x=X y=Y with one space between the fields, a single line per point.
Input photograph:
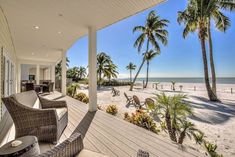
x=115 y=92
x=149 y=103
x=137 y=102
x=129 y=99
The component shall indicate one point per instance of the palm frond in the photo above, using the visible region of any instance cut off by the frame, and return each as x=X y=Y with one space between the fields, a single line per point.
x=222 y=22
x=140 y=41
x=227 y=4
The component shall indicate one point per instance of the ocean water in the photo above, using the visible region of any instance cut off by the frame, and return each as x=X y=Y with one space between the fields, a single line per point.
x=224 y=80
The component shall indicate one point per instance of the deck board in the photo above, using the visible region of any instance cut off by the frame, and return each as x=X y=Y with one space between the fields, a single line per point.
x=112 y=136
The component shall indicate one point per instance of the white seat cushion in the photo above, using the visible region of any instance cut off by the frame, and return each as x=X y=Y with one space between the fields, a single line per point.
x=60 y=112
x=28 y=98
x=88 y=153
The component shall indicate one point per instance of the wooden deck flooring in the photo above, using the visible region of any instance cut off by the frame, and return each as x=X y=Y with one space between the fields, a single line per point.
x=112 y=136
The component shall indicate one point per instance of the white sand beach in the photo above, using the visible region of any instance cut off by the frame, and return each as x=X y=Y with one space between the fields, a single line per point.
x=216 y=120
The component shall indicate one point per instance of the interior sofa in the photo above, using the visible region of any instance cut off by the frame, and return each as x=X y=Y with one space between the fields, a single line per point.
x=35 y=115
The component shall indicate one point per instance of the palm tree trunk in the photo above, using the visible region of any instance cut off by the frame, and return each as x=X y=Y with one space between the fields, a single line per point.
x=173 y=124
x=181 y=137
x=147 y=76
x=212 y=60
x=99 y=78
x=210 y=93
x=133 y=82
x=169 y=128
x=143 y=61
x=130 y=76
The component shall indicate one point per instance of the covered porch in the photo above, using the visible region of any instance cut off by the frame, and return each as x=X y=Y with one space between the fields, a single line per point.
x=40 y=33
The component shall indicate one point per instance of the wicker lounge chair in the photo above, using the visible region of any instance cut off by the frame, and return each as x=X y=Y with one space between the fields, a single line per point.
x=149 y=103
x=47 y=123
x=137 y=102
x=115 y=92
x=129 y=99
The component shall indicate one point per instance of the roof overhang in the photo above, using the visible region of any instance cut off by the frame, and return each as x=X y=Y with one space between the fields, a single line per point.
x=61 y=22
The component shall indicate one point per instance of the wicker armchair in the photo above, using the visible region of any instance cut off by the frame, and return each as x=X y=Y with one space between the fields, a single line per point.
x=70 y=147
x=47 y=124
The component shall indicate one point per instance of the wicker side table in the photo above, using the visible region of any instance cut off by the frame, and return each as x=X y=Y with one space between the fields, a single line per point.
x=28 y=148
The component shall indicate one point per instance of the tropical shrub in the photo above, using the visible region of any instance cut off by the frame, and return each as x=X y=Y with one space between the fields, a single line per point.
x=199 y=138
x=112 y=109
x=187 y=128
x=71 y=89
x=115 y=83
x=163 y=126
x=211 y=149
x=80 y=96
x=142 y=119
x=85 y=100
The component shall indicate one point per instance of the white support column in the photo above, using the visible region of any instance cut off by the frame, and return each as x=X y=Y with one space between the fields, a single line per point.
x=38 y=74
x=19 y=78
x=53 y=75
x=63 y=73
x=92 y=70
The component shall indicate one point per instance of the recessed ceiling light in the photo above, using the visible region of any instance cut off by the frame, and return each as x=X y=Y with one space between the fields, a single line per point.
x=36 y=27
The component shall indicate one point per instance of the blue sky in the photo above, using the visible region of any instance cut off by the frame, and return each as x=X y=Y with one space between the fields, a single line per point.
x=180 y=58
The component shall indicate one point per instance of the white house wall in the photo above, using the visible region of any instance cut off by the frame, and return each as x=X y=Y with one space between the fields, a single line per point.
x=6 y=44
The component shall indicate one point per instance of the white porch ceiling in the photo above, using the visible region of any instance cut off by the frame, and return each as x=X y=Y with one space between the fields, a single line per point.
x=61 y=22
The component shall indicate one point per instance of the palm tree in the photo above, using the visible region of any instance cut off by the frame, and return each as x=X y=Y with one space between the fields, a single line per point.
x=102 y=60
x=195 y=18
x=148 y=57
x=173 y=109
x=153 y=29
x=131 y=67
x=187 y=129
x=58 y=67
x=165 y=106
x=81 y=72
x=110 y=71
x=105 y=67
x=221 y=23
x=72 y=72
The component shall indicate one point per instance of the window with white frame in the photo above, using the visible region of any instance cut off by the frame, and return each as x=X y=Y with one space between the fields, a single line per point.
x=7 y=78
